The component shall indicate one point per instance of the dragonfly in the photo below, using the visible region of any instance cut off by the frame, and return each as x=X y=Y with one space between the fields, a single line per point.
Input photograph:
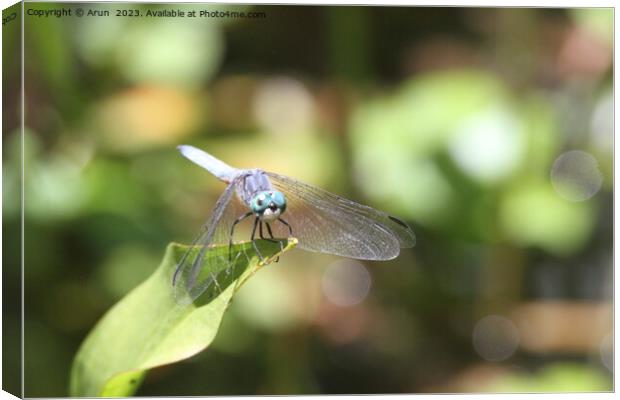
x=283 y=207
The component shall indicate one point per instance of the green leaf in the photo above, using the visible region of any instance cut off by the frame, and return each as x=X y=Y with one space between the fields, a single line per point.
x=148 y=328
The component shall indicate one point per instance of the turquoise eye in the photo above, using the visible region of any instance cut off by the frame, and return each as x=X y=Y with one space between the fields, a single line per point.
x=273 y=200
x=258 y=203
x=279 y=199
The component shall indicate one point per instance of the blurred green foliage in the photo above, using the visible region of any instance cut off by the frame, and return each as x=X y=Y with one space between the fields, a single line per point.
x=452 y=118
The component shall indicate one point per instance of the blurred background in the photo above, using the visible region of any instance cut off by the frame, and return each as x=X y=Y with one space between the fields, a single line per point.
x=488 y=130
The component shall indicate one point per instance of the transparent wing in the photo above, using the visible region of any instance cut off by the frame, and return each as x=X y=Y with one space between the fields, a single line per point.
x=326 y=223
x=205 y=259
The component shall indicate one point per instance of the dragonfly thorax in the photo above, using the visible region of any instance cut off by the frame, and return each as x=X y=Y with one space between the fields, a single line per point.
x=268 y=205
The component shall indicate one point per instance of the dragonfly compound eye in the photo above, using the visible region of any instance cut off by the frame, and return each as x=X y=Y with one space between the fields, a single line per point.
x=260 y=203
x=279 y=200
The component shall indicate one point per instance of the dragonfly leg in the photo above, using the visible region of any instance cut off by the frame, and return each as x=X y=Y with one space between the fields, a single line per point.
x=260 y=256
x=260 y=231
x=290 y=230
x=232 y=231
x=269 y=229
x=271 y=240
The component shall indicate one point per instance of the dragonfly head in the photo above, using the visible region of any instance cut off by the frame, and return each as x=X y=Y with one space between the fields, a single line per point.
x=268 y=205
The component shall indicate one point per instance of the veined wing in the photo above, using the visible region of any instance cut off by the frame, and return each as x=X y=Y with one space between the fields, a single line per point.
x=326 y=223
x=200 y=265
x=220 y=169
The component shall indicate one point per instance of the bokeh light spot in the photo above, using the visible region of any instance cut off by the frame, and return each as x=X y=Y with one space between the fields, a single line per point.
x=489 y=145
x=284 y=106
x=271 y=302
x=575 y=175
x=346 y=283
x=495 y=338
x=174 y=52
x=146 y=116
